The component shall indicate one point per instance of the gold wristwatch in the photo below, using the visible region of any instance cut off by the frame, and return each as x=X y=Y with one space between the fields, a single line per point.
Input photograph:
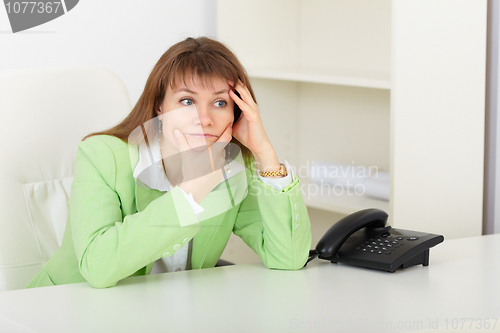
x=281 y=172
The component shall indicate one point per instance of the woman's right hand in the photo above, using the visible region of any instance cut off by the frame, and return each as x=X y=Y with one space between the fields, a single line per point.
x=202 y=166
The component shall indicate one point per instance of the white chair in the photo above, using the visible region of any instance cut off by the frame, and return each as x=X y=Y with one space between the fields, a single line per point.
x=44 y=114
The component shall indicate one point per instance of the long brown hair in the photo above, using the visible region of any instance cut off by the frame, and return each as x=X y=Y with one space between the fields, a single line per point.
x=193 y=57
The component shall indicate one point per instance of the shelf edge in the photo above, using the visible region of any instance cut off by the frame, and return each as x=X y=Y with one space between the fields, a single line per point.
x=322 y=79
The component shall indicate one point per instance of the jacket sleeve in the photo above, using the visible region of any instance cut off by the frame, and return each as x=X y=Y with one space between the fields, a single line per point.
x=110 y=246
x=275 y=224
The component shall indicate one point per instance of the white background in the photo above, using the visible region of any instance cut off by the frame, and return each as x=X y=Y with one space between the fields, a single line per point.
x=125 y=36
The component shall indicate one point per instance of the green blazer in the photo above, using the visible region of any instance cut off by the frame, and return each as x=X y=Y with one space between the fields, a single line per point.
x=116 y=228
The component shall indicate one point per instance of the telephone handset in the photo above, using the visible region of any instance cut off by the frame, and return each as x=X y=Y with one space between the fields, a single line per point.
x=236 y=110
x=362 y=239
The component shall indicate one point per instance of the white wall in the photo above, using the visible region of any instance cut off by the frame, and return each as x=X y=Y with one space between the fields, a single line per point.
x=125 y=36
x=437 y=119
x=492 y=153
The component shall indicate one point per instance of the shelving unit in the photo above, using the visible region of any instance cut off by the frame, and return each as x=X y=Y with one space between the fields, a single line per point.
x=388 y=83
x=343 y=78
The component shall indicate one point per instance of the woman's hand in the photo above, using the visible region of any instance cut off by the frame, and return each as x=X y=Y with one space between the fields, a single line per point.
x=202 y=169
x=250 y=131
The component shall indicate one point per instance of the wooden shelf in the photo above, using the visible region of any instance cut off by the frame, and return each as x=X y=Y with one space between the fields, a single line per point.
x=335 y=77
x=345 y=203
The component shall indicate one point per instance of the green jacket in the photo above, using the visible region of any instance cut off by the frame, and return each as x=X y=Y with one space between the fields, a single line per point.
x=117 y=229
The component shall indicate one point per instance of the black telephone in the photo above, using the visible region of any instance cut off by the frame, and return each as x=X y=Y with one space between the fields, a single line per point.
x=362 y=239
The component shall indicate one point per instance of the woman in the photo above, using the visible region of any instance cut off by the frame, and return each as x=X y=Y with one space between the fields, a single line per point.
x=163 y=190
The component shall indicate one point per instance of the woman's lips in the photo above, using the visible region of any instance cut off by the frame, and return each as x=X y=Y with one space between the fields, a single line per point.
x=202 y=136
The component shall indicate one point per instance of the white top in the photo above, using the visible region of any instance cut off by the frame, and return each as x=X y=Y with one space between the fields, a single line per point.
x=155 y=178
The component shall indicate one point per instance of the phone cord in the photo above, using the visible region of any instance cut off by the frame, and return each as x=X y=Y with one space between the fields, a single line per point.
x=313 y=254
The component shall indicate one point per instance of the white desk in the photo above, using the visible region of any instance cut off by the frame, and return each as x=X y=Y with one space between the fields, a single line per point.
x=462 y=281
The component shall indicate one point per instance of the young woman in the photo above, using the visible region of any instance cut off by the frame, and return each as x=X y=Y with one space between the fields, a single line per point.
x=163 y=190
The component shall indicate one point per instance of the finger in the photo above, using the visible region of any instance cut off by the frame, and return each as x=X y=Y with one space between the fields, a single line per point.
x=245 y=108
x=224 y=139
x=217 y=156
x=237 y=99
x=211 y=158
x=181 y=140
x=227 y=135
x=244 y=93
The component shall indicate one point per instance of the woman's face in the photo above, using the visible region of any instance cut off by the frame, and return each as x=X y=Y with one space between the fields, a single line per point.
x=201 y=113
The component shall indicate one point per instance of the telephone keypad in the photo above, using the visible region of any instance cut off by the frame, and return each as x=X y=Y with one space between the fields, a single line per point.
x=383 y=246
x=386 y=252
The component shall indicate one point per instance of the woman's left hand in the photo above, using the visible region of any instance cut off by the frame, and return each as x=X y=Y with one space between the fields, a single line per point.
x=250 y=131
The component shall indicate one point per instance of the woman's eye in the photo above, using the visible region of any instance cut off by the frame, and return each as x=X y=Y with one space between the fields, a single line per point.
x=220 y=104
x=187 y=101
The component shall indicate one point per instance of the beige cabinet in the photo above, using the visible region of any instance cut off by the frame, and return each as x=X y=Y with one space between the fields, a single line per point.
x=394 y=85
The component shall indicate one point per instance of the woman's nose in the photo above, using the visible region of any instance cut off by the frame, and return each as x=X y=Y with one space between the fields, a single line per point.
x=204 y=116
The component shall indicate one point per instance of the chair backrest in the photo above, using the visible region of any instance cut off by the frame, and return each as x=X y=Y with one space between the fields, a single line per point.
x=44 y=114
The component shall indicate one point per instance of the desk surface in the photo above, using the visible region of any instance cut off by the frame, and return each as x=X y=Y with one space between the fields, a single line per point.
x=459 y=290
